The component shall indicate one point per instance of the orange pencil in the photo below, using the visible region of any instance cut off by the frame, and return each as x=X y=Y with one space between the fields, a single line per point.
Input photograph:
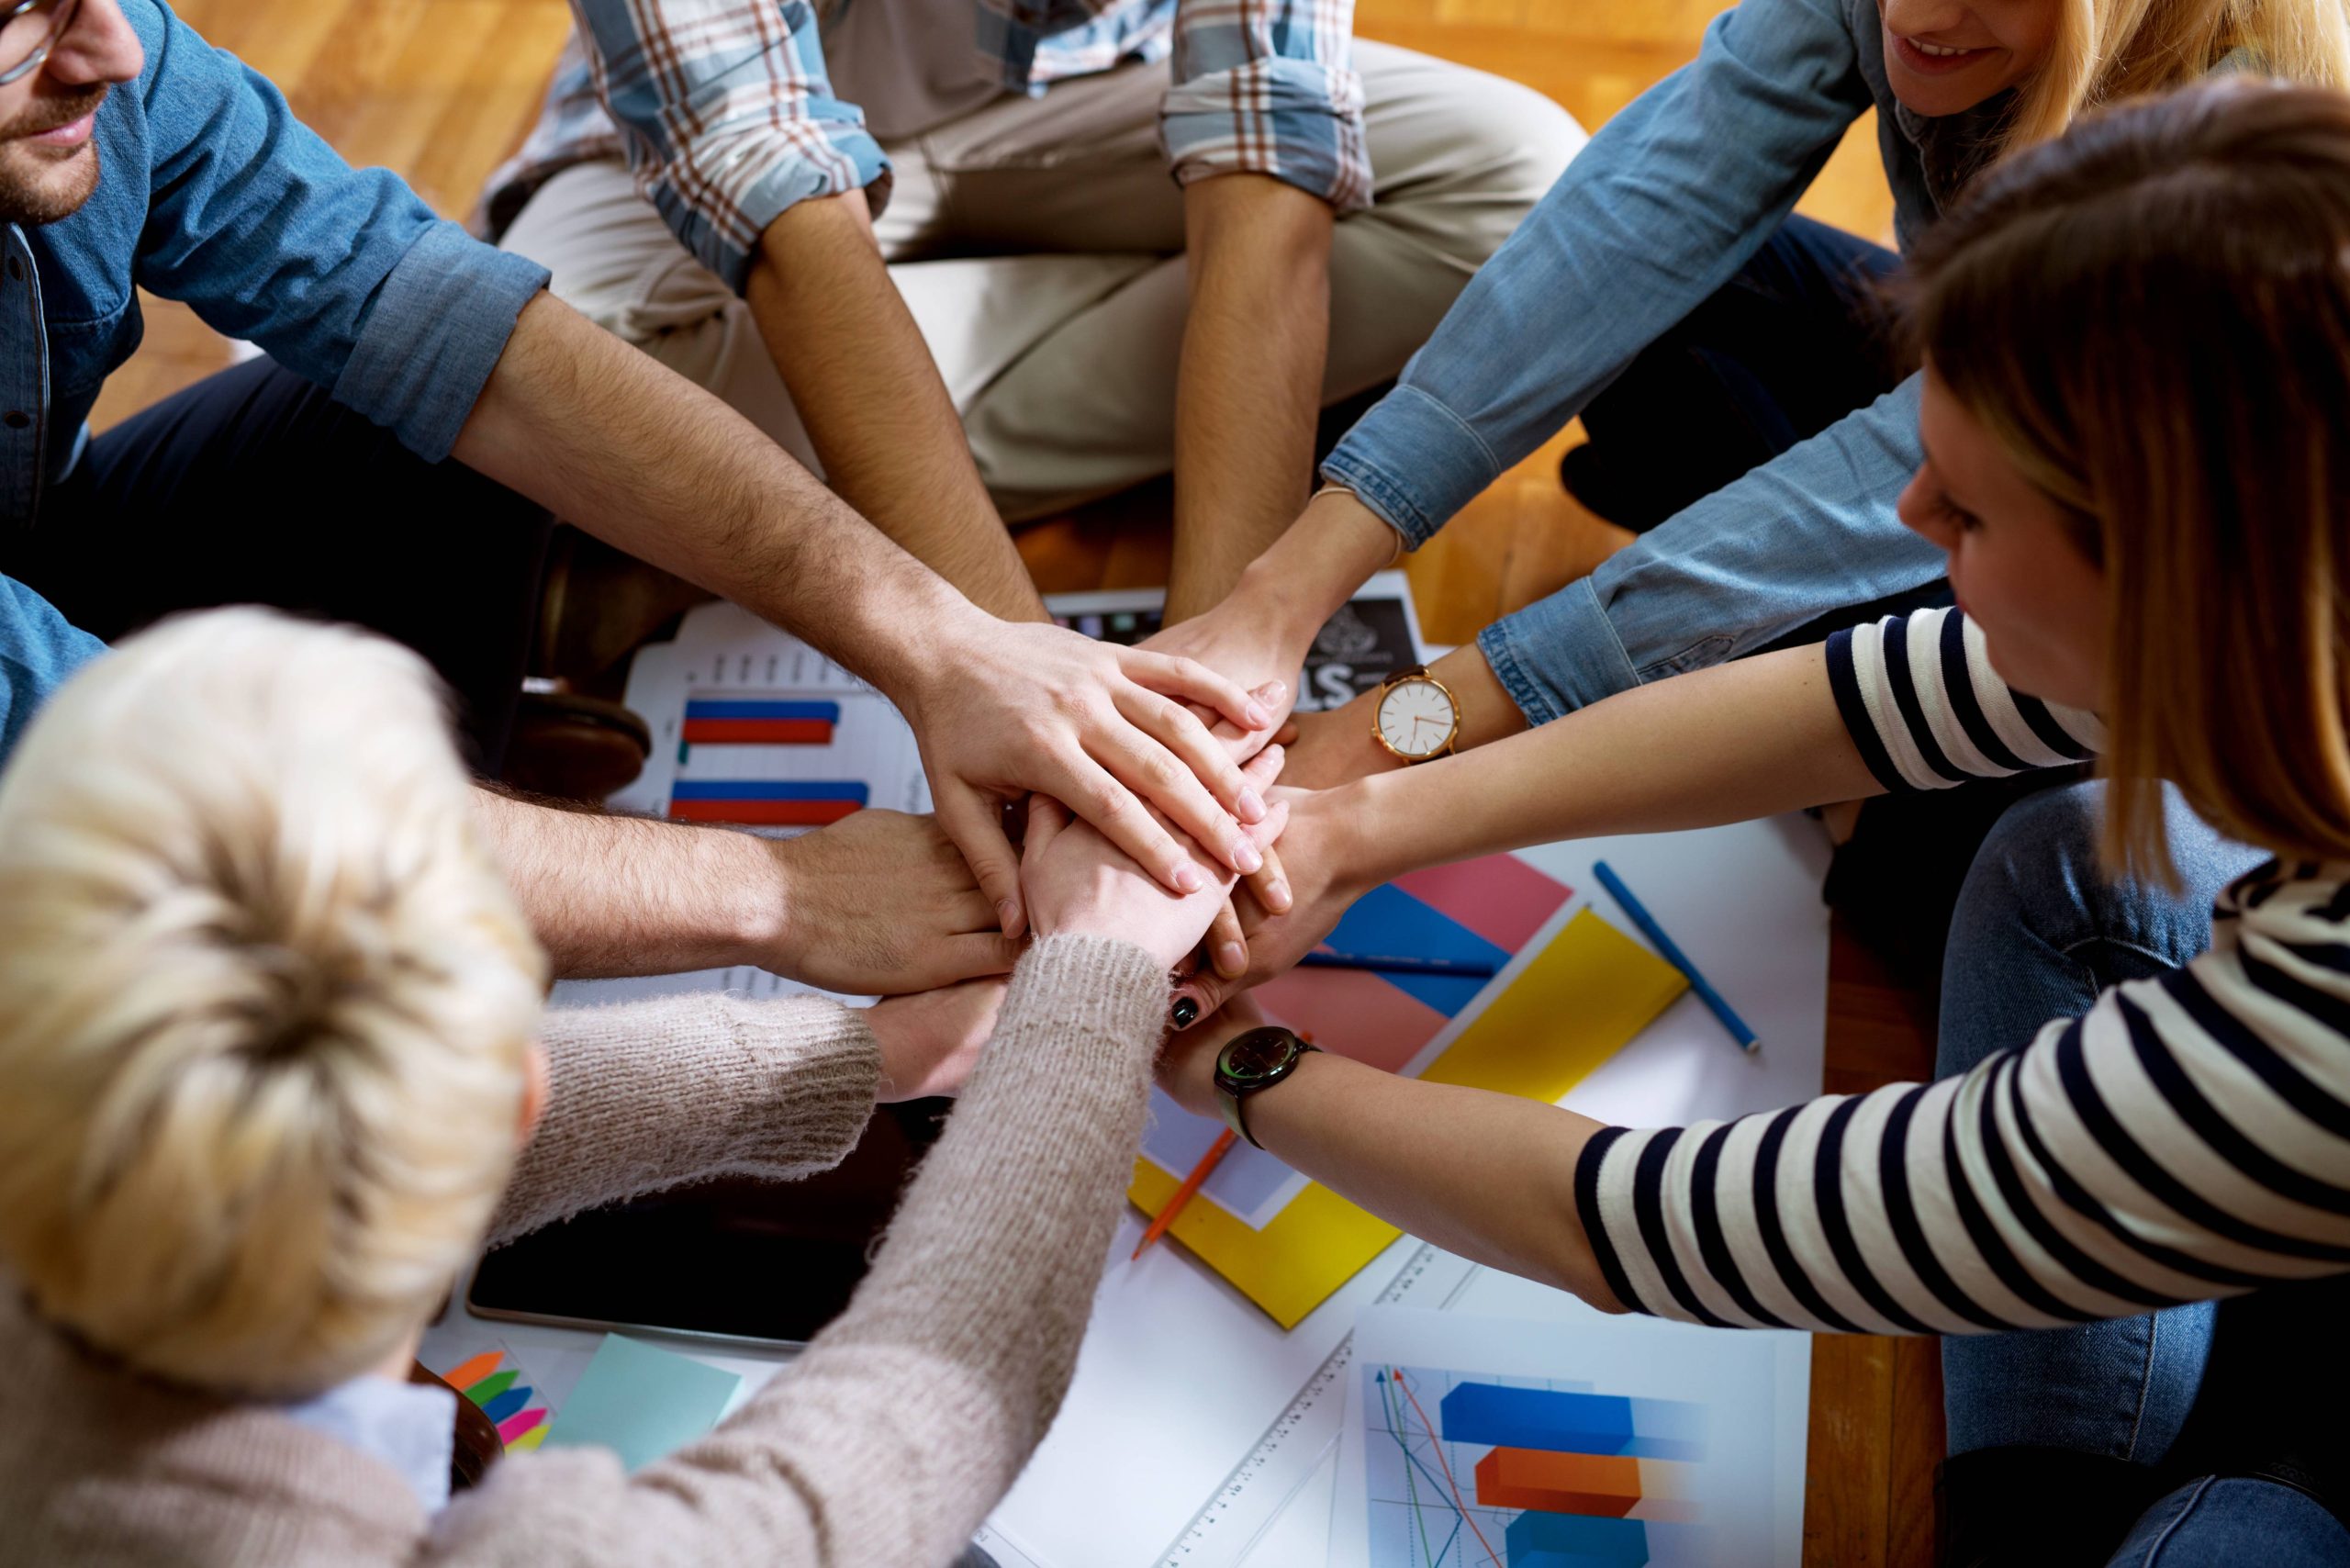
x=1200 y=1173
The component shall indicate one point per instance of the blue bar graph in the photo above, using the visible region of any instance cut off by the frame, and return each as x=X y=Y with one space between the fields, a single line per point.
x=726 y=708
x=769 y=790
x=1570 y=1423
x=1572 y=1541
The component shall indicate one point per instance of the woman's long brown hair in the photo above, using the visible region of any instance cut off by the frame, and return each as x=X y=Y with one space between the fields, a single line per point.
x=2152 y=316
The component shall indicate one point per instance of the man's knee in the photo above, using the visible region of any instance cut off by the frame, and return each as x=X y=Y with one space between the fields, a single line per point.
x=1493 y=149
x=615 y=260
x=1516 y=142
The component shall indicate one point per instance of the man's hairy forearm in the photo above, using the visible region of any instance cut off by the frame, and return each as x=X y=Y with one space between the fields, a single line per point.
x=1252 y=378
x=635 y=454
x=624 y=896
x=870 y=396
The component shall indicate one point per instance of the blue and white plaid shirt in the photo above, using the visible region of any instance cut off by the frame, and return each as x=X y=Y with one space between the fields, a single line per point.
x=724 y=112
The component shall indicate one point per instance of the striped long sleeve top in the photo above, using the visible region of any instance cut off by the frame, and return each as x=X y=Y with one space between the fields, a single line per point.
x=2187 y=1137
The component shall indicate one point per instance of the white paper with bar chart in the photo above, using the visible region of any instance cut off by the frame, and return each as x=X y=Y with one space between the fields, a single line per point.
x=1575 y=1441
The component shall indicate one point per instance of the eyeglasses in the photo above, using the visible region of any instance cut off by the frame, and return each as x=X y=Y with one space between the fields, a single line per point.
x=28 y=30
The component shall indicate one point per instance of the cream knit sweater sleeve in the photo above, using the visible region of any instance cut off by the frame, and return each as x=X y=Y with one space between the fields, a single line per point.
x=893 y=1437
x=644 y=1095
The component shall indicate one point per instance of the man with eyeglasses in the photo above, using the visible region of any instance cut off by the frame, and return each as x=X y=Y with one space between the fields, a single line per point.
x=422 y=408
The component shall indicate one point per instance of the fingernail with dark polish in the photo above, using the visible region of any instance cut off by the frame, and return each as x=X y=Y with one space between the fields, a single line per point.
x=1185 y=1011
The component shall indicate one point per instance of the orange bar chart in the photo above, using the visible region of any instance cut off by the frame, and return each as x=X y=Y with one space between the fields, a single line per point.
x=1601 y=1486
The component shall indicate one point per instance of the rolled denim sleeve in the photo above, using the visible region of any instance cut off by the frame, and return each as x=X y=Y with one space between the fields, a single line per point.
x=727 y=116
x=38 y=649
x=344 y=275
x=1807 y=533
x=1267 y=90
x=1667 y=202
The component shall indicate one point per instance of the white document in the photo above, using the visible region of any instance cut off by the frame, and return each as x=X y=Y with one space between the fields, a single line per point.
x=1733 y=1407
x=1180 y=1373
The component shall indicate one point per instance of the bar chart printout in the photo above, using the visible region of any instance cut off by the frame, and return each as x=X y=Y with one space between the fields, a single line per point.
x=1471 y=1468
x=785 y=760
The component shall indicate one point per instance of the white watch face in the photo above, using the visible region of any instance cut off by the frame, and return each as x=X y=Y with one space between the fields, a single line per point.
x=1415 y=717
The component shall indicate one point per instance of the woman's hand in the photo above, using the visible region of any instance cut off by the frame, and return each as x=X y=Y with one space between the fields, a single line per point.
x=930 y=1041
x=1334 y=746
x=1075 y=879
x=1187 y=1061
x=1322 y=864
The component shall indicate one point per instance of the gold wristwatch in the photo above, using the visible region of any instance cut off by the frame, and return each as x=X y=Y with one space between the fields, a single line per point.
x=1416 y=718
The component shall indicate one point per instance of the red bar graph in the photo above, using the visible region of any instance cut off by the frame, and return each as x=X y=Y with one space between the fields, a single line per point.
x=764 y=813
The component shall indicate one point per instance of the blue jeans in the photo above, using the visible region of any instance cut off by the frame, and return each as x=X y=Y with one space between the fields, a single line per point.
x=255 y=486
x=2038 y=932
x=1795 y=341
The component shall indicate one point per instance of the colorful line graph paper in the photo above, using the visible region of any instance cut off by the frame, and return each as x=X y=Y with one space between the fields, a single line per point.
x=1578 y=1442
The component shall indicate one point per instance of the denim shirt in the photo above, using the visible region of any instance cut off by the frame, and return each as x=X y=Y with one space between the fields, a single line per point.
x=1669 y=199
x=211 y=192
x=38 y=649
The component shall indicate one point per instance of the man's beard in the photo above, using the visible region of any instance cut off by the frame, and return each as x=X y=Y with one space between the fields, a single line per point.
x=36 y=190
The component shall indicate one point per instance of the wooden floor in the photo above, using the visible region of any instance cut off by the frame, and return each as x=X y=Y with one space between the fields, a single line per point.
x=441 y=90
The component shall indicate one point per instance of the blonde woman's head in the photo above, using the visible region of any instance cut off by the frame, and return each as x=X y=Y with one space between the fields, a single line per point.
x=2061 y=58
x=2137 y=427
x=266 y=1006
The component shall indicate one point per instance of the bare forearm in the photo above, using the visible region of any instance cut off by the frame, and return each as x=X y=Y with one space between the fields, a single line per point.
x=1316 y=566
x=612 y=442
x=623 y=896
x=1744 y=740
x=1430 y=1158
x=1251 y=376
x=870 y=396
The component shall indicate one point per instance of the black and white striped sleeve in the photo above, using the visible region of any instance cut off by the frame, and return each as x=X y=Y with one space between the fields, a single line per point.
x=2188 y=1138
x=1924 y=704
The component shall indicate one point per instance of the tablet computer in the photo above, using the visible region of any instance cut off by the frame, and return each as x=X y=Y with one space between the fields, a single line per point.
x=734 y=1260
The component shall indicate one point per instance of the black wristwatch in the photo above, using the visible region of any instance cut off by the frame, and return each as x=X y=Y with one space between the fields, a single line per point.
x=1250 y=1064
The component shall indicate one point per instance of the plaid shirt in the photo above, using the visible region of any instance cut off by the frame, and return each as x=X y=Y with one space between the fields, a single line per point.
x=723 y=111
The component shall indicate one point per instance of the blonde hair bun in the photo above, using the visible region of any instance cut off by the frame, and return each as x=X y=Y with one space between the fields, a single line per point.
x=263 y=1003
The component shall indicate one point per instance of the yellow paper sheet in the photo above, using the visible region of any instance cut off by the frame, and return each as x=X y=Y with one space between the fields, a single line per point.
x=1583 y=998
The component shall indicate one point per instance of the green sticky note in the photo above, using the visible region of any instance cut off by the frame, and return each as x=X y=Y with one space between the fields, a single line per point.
x=641 y=1402
x=492 y=1386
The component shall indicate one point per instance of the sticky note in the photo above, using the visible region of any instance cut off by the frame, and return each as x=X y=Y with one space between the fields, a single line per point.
x=641 y=1402
x=1583 y=997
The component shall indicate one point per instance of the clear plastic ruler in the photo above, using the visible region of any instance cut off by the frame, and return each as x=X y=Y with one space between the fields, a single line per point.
x=1236 y=1516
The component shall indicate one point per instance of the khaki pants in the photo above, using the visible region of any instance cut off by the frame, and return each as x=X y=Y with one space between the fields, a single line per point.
x=1061 y=355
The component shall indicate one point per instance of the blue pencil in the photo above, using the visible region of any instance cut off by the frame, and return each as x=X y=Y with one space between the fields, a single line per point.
x=1673 y=955
x=1458 y=969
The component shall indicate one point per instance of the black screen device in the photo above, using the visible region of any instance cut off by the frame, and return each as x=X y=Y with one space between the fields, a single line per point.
x=736 y=1259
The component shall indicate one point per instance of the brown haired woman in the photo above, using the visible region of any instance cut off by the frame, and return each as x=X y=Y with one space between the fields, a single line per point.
x=2136 y=421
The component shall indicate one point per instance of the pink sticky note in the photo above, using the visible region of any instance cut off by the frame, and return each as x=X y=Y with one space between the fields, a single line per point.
x=1352 y=1011
x=520 y=1422
x=1499 y=897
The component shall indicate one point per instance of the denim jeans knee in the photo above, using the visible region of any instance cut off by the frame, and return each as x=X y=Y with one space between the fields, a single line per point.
x=2041 y=926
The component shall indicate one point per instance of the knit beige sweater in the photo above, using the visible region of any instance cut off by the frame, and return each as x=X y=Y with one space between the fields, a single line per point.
x=885 y=1443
